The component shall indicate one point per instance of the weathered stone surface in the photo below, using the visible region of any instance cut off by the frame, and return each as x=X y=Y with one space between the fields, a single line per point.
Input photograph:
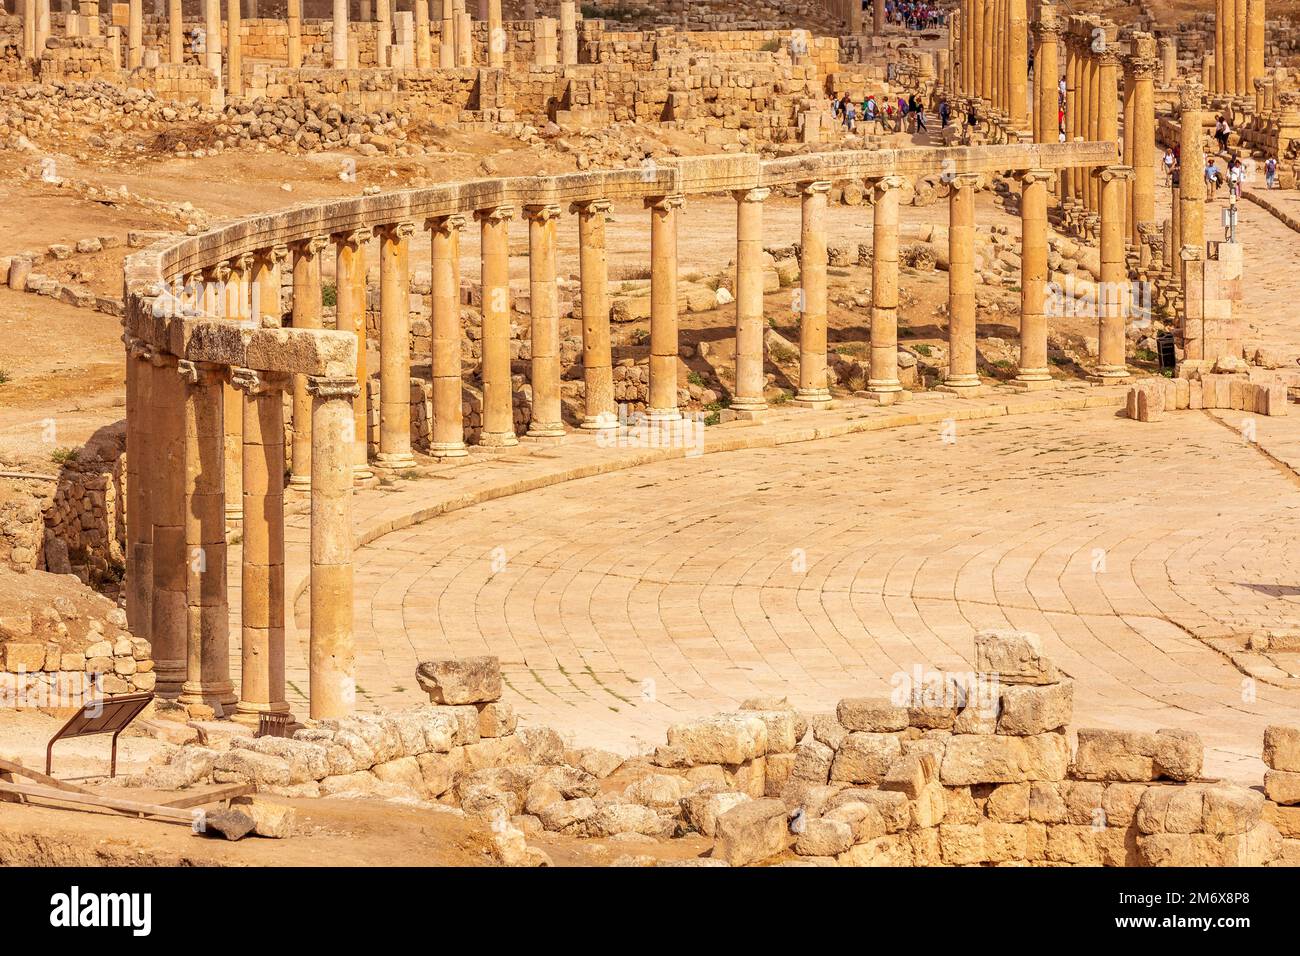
x=865 y=757
x=496 y=719
x=1036 y=709
x=656 y=790
x=599 y=763
x=1013 y=657
x=701 y=809
x=871 y=714
x=724 y=738
x=824 y=837
x=752 y=832
x=909 y=774
x=465 y=680
x=1135 y=756
x=232 y=824
x=981 y=758
x=273 y=820
x=1282 y=748
x=812 y=761
x=1283 y=787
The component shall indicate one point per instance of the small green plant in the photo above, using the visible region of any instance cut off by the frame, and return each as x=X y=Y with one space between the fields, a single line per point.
x=4 y=376
x=923 y=350
x=64 y=456
x=781 y=354
x=639 y=336
x=695 y=378
x=782 y=398
x=713 y=418
x=1144 y=355
x=329 y=296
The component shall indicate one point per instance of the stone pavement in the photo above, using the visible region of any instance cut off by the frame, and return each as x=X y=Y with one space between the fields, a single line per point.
x=828 y=564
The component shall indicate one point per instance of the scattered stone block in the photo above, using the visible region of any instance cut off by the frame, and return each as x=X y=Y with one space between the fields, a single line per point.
x=1282 y=748
x=873 y=715
x=1013 y=657
x=1030 y=709
x=466 y=680
x=724 y=739
x=752 y=832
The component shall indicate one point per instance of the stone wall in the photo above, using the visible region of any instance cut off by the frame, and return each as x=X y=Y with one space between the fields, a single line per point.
x=85 y=523
x=957 y=770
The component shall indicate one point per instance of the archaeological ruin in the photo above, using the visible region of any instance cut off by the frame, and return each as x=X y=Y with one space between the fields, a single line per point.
x=534 y=433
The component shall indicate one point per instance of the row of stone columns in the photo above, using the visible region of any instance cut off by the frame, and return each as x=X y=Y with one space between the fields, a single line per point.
x=1091 y=113
x=1238 y=46
x=993 y=54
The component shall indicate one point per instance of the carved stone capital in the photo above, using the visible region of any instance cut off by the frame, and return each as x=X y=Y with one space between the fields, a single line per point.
x=196 y=374
x=333 y=387
x=445 y=225
x=665 y=203
x=355 y=239
x=253 y=382
x=395 y=231
x=543 y=212
x=815 y=186
x=311 y=247
x=500 y=213
x=590 y=207
x=885 y=183
x=755 y=194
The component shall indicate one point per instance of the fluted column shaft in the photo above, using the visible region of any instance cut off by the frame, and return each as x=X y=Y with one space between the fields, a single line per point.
x=261 y=681
x=445 y=362
x=749 y=300
x=207 y=644
x=663 y=307
x=544 y=299
x=498 y=401
x=962 y=373
x=1033 y=276
x=332 y=654
x=811 y=300
x=395 y=346
x=597 y=360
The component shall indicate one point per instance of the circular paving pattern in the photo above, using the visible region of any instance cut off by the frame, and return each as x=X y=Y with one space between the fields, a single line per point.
x=621 y=603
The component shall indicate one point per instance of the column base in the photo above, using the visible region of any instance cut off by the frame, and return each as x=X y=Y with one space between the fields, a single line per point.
x=1032 y=380
x=748 y=414
x=250 y=714
x=300 y=481
x=170 y=679
x=962 y=387
x=601 y=422
x=884 y=396
x=1109 y=375
x=818 y=398
x=497 y=439
x=663 y=414
x=219 y=695
x=540 y=430
x=394 y=461
x=449 y=449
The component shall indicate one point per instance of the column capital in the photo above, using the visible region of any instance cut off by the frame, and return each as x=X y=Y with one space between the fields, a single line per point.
x=1028 y=176
x=542 y=212
x=752 y=194
x=242 y=262
x=1114 y=173
x=815 y=186
x=325 y=387
x=273 y=254
x=1140 y=67
x=499 y=213
x=312 y=246
x=590 y=207
x=395 y=231
x=445 y=225
x=963 y=180
x=195 y=374
x=1189 y=95
x=887 y=182
x=220 y=272
x=254 y=382
x=665 y=203
x=355 y=238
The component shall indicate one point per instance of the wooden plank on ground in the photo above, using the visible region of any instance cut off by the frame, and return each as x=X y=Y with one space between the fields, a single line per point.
x=170 y=814
x=212 y=796
x=20 y=770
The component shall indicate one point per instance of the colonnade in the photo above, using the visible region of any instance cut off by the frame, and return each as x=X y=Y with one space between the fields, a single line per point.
x=993 y=55
x=1238 y=47
x=206 y=429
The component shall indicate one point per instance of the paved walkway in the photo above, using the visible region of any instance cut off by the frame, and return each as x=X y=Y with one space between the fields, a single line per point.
x=621 y=602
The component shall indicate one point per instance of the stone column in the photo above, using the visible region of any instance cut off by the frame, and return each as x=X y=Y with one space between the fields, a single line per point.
x=234 y=66
x=988 y=38
x=1047 y=72
x=1142 y=66
x=306 y=315
x=464 y=40
x=264 y=289
x=813 y=391
x=1033 y=279
x=383 y=32
x=332 y=653
x=597 y=364
x=445 y=361
x=1070 y=193
x=1092 y=117
x=168 y=615
x=140 y=481
x=1191 y=182
x=748 y=398
x=962 y=375
x=1222 y=25
x=134 y=33
x=395 y=347
x=1112 y=292
x=1168 y=61
x=1239 y=21
x=235 y=297
x=294 y=13
x=340 y=35
x=212 y=37
x=261 y=681
x=42 y=32
x=883 y=375
x=175 y=32
x=568 y=33
x=496 y=42
x=207 y=642
x=350 y=313
x=663 y=307
x=498 y=399
x=447 y=37
x=423 y=40
x=1108 y=104
x=547 y=421
x=878 y=19
x=967 y=46
x=1255 y=40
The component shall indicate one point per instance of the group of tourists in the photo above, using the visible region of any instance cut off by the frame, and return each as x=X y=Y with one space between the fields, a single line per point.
x=1233 y=175
x=914 y=14
x=906 y=114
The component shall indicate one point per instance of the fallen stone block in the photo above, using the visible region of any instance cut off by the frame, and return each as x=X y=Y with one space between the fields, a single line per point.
x=1282 y=787
x=723 y=738
x=1013 y=657
x=752 y=832
x=230 y=823
x=272 y=820
x=465 y=680
x=1282 y=748
x=824 y=837
x=701 y=810
x=909 y=774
